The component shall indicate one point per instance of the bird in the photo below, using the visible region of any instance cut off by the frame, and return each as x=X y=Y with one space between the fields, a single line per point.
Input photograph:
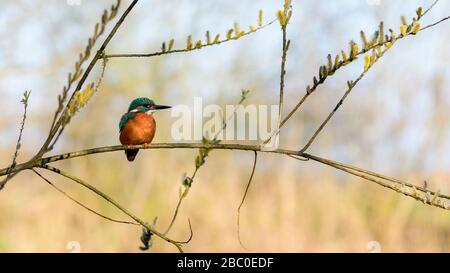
x=137 y=126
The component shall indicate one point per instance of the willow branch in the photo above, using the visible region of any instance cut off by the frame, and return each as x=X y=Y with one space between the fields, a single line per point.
x=99 y=29
x=177 y=244
x=363 y=51
x=433 y=198
x=241 y=147
x=174 y=216
x=373 y=174
x=10 y=175
x=339 y=104
x=166 y=52
x=243 y=199
x=435 y=23
x=97 y=86
x=86 y=73
x=285 y=48
x=187 y=183
x=200 y=160
x=353 y=84
x=430 y=7
x=81 y=204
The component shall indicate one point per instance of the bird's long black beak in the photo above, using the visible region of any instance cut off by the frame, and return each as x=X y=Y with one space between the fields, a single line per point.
x=159 y=107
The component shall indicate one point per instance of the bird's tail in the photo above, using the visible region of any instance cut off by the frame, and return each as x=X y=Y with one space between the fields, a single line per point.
x=131 y=154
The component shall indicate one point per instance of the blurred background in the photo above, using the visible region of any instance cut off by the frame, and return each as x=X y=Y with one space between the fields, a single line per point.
x=395 y=122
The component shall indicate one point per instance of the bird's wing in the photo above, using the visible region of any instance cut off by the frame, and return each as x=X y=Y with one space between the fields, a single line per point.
x=124 y=119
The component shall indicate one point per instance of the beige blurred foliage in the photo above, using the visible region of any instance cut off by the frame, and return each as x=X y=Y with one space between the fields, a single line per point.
x=292 y=206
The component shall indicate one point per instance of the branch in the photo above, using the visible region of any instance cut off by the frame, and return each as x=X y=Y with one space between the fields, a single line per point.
x=83 y=57
x=435 y=23
x=351 y=85
x=243 y=199
x=370 y=61
x=177 y=244
x=26 y=96
x=42 y=162
x=187 y=183
x=344 y=62
x=200 y=160
x=187 y=49
x=86 y=73
x=81 y=204
x=79 y=101
x=283 y=18
x=430 y=7
x=433 y=198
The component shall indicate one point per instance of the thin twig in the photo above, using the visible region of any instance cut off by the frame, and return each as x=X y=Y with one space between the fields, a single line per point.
x=99 y=29
x=174 y=216
x=330 y=115
x=160 y=53
x=81 y=204
x=10 y=175
x=197 y=167
x=191 y=234
x=435 y=23
x=298 y=158
x=114 y=203
x=243 y=199
x=97 y=86
x=353 y=84
x=361 y=52
x=374 y=174
x=403 y=188
x=430 y=7
x=285 y=48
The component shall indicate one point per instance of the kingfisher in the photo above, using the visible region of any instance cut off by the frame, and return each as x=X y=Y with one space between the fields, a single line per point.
x=138 y=126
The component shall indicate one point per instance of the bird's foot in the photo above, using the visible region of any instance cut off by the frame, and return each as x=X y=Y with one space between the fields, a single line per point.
x=130 y=146
x=146 y=145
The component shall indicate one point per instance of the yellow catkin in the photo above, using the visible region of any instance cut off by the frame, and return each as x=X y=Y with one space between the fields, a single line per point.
x=281 y=17
x=189 y=43
x=403 y=30
x=198 y=44
x=355 y=49
x=373 y=57
x=171 y=42
x=186 y=191
x=394 y=35
x=229 y=33
x=416 y=27
x=237 y=29
x=81 y=99
x=216 y=39
x=344 y=56
x=72 y=106
x=260 y=18
x=208 y=38
x=240 y=34
x=367 y=62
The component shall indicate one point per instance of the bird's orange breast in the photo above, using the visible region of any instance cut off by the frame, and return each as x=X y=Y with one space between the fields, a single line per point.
x=138 y=130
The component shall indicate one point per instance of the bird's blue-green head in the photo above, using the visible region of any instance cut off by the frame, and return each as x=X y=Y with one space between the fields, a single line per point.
x=144 y=105
x=139 y=105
